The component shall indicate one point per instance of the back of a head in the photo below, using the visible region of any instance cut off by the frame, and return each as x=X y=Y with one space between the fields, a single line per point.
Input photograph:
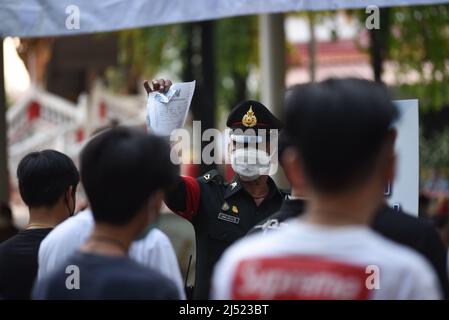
x=339 y=127
x=120 y=169
x=44 y=176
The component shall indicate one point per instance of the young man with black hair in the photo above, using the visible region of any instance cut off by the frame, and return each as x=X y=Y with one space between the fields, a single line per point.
x=124 y=174
x=47 y=184
x=343 y=148
x=399 y=226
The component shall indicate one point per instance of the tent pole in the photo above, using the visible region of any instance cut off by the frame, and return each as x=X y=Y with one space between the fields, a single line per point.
x=272 y=61
x=4 y=180
x=272 y=65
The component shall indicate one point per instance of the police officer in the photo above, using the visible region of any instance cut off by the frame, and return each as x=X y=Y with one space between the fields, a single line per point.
x=222 y=212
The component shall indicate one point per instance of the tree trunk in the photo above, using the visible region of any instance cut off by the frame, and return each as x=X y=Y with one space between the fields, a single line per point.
x=203 y=102
x=379 y=43
x=207 y=106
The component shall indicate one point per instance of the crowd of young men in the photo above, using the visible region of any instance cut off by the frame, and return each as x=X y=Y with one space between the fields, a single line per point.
x=332 y=237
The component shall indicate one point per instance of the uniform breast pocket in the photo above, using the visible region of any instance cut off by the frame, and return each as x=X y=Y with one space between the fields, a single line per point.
x=226 y=227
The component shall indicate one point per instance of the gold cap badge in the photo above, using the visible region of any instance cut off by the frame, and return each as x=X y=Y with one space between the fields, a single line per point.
x=249 y=119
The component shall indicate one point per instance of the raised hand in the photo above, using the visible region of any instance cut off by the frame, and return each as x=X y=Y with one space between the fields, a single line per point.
x=160 y=85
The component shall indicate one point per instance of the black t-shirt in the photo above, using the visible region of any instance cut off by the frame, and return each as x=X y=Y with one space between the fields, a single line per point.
x=99 y=277
x=418 y=234
x=7 y=232
x=291 y=208
x=18 y=263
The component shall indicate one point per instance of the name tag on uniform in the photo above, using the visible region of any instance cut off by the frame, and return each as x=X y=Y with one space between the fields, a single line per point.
x=228 y=218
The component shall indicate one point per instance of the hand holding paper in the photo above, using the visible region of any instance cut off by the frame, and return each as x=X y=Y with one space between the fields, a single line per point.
x=167 y=111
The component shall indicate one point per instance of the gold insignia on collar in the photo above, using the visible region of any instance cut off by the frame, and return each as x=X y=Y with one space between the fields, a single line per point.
x=225 y=206
x=249 y=119
x=235 y=209
x=233 y=185
x=207 y=176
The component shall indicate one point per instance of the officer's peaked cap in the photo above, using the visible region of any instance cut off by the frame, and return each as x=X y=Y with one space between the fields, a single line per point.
x=251 y=114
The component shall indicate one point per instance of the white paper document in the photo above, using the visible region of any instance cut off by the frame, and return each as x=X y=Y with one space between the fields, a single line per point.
x=168 y=111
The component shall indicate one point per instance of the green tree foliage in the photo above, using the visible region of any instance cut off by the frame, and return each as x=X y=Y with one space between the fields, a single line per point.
x=434 y=151
x=144 y=53
x=237 y=53
x=419 y=42
x=143 y=49
x=148 y=51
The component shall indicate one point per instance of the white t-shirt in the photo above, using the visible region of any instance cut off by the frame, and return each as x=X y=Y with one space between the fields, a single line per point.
x=305 y=261
x=155 y=250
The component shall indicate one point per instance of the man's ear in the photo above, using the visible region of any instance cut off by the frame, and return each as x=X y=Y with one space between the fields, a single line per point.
x=291 y=164
x=68 y=194
x=158 y=198
x=155 y=203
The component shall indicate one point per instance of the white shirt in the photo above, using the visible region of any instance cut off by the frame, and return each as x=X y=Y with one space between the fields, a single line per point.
x=305 y=261
x=155 y=250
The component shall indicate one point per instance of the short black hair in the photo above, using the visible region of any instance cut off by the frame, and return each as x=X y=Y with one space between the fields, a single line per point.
x=339 y=126
x=120 y=169
x=44 y=176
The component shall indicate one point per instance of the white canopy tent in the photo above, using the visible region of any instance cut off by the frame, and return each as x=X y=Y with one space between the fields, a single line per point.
x=39 y=18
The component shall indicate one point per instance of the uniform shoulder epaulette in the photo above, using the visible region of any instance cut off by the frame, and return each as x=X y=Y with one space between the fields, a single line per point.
x=212 y=175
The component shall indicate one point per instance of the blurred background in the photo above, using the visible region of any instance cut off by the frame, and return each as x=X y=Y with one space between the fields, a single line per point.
x=59 y=90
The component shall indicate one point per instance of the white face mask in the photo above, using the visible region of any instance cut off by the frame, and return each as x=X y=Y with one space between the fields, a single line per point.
x=250 y=163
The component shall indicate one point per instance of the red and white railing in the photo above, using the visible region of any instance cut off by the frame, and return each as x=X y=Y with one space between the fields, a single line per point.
x=41 y=120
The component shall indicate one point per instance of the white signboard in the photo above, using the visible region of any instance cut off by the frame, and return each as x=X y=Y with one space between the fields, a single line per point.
x=404 y=192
